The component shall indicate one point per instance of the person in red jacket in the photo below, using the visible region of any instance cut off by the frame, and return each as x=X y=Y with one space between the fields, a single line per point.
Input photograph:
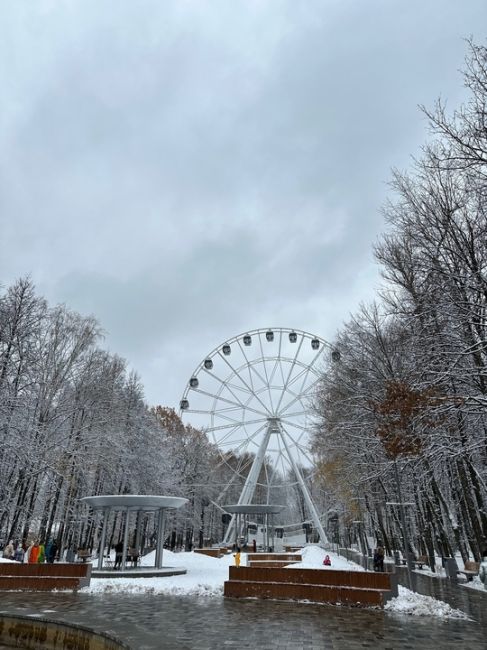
x=327 y=561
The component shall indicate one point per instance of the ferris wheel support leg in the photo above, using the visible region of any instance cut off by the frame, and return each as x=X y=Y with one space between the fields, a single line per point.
x=306 y=494
x=250 y=482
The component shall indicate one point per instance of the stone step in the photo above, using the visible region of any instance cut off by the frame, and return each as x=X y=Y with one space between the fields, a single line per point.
x=211 y=552
x=329 y=577
x=269 y=564
x=61 y=569
x=360 y=597
x=288 y=557
x=358 y=588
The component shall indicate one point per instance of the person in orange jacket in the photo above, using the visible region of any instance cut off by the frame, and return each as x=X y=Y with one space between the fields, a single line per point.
x=34 y=553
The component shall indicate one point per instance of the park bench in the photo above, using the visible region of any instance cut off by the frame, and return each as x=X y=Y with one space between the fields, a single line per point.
x=83 y=555
x=107 y=562
x=470 y=570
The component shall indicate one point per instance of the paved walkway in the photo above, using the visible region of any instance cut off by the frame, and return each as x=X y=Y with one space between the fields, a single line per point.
x=169 y=623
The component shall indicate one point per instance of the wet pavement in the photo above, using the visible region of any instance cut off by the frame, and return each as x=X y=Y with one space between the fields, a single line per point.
x=148 y=622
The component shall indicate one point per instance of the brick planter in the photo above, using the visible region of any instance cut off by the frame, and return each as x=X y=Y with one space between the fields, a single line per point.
x=329 y=586
x=44 y=577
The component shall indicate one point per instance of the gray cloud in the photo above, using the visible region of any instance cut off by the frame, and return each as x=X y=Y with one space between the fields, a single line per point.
x=189 y=170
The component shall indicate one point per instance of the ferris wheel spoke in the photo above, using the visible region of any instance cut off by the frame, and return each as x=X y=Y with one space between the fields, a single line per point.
x=293 y=364
x=296 y=442
x=296 y=439
x=302 y=373
x=231 y=432
x=296 y=414
x=224 y=384
x=232 y=442
x=244 y=382
x=222 y=416
x=228 y=401
x=258 y=375
x=274 y=370
x=246 y=442
x=228 y=409
x=282 y=376
x=302 y=394
x=221 y=427
x=298 y=426
x=311 y=367
x=227 y=383
x=248 y=364
x=296 y=401
x=265 y=372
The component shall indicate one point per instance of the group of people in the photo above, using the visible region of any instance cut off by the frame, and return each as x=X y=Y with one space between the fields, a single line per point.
x=34 y=553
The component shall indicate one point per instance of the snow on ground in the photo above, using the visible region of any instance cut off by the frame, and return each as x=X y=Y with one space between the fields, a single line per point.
x=205 y=577
x=4 y=559
x=476 y=584
x=409 y=602
x=313 y=556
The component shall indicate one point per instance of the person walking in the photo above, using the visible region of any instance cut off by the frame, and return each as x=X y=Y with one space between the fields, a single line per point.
x=118 y=555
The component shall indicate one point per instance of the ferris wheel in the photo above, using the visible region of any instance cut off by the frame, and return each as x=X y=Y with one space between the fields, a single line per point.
x=252 y=395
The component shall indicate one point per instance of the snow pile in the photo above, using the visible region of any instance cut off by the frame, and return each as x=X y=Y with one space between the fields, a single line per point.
x=476 y=583
x=409 y=602
x=4 y=559
x=313 y=556
x=205 y=577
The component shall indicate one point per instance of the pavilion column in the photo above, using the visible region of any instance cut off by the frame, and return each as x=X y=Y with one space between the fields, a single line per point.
x=125 y=538
x=160 y=538
x=106 y=512
x=138 y=531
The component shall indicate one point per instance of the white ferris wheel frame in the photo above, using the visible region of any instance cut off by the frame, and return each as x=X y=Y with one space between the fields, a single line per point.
x=275 y=421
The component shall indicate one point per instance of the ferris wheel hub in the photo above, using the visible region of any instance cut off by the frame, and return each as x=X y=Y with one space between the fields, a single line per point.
x=274 y=424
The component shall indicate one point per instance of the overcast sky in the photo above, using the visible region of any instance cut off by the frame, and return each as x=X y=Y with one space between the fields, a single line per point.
x=189 y=170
